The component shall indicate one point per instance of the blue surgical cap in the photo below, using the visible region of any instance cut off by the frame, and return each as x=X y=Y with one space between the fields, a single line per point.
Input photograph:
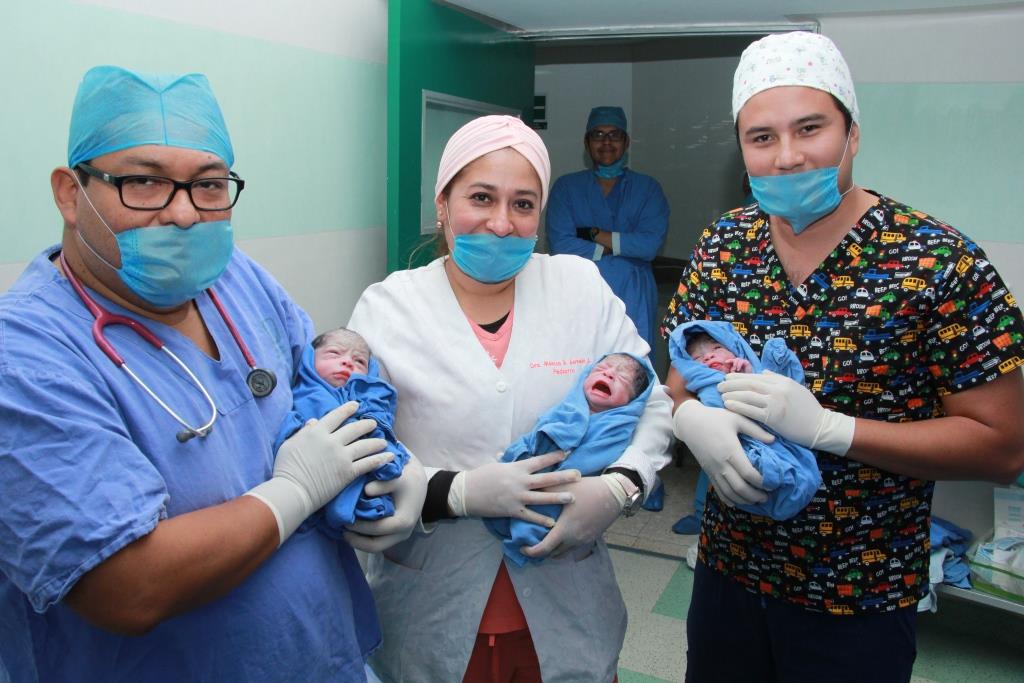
x=607 y=116
x=116 y=108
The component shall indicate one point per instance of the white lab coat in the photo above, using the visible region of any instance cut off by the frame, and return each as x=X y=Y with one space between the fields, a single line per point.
x=457 y=411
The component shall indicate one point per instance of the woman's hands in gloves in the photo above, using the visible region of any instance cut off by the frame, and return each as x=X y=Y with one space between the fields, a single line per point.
x=789 y=408
x=407 y=492
x=504 y=489
x=593 y=510
x=316 y=463
x=712 y=435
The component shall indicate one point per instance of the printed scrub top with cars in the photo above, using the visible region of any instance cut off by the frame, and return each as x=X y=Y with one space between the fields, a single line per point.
x=902 y=312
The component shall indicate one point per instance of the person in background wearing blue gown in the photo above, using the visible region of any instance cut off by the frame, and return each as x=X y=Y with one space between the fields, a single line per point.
x=132 y=549
x=612 y=215
x=619 y=219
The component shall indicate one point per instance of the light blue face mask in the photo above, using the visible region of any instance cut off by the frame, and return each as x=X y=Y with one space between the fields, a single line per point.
x=165 y=265
x=800 y=198
x=612 y=170
x=487 y=258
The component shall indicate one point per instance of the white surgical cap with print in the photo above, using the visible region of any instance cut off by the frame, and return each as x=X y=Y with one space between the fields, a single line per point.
x=796 y=58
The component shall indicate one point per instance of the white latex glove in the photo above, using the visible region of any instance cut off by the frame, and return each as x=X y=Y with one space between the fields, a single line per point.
x=316 y=463
x=712 y=435
x=582 y=522
x=500 y=489
x=790 y=409
x=407 y=492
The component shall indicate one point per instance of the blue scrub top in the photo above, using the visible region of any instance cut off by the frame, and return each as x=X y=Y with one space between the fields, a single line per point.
x=637 y=209
x=90 y=463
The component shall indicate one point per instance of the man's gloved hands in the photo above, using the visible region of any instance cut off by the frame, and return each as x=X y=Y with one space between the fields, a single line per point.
x=593 y=510
x=500 y=489
x=712 y=435
x=316 y=463
x=407 y=492
x=790 y=409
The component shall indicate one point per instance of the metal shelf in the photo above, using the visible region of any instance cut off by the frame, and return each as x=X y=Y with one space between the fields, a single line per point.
x=981 y=598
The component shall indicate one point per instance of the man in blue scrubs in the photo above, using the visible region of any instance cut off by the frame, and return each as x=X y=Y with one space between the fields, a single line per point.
x=612 y=215
x=137 y=542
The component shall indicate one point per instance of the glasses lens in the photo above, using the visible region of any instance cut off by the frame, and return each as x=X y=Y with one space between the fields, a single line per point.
x=153 y=192
x=145 y=192
x=214 y=194
x=611 y=135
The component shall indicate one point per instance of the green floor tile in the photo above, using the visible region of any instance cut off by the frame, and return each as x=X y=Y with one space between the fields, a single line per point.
x=964 y=643
x=675 y=599
x=627 y=676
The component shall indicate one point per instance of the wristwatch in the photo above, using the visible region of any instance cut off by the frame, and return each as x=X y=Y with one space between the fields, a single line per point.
x=633 y=503
x=633 y=486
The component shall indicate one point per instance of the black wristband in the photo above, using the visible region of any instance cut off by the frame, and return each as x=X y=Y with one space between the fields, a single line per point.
x=632 y=475
x=435 y=505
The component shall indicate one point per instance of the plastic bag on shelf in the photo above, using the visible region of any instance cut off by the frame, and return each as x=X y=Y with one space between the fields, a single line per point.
x=997 y=567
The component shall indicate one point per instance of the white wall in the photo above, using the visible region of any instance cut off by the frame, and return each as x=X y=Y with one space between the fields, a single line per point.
x=303 y=90
x=572 y=91
x=684 y=118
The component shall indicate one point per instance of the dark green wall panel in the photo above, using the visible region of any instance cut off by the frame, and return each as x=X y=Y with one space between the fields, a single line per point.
x=431 y=47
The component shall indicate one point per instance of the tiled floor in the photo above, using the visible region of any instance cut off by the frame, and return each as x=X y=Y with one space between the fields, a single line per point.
x=961 y=643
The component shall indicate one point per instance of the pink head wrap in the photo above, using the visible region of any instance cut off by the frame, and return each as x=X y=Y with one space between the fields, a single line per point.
x=485 y=135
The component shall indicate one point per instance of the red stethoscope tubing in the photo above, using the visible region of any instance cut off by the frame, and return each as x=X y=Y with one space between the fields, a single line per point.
x=103 y=318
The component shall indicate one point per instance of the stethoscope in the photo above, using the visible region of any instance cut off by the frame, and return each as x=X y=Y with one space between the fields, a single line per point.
x=261 y=381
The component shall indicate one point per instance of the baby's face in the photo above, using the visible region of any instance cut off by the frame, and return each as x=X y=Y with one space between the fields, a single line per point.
x=712 y=354
x=610 y=383
x=336 y=359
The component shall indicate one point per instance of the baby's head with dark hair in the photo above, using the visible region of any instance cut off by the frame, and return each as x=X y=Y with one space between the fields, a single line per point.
x=614 y=381
x=712 y=353
x=339 y=353
x=697 y=342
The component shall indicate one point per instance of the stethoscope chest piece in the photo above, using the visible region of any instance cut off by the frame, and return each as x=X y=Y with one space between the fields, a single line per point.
x=261 y=382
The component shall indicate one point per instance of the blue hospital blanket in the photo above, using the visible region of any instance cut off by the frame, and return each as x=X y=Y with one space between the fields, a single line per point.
x=593 y=442
x=790 y=471
x=313 y=397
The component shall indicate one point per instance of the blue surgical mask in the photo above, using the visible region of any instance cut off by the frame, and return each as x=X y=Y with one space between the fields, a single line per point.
x=800 y=198
x=165 y=265
x=612 y=170
x=487 y=258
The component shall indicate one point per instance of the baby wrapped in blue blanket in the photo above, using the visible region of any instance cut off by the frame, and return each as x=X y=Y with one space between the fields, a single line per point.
x=702 y=352
x=336 y=368
x=593 y=425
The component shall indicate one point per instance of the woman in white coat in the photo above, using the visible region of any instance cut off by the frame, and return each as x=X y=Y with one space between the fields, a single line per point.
x=479 y=344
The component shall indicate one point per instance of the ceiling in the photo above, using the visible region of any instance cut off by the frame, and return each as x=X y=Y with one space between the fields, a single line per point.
x=569 y=19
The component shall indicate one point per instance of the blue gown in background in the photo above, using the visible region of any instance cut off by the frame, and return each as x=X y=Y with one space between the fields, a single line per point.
x=790 y=471
x=637 y=209
x=314 y=397
x=593 y=441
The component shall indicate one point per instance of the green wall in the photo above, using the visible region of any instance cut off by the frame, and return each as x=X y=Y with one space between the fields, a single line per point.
x=431 y=47
x=307 y=126
x=954 y=150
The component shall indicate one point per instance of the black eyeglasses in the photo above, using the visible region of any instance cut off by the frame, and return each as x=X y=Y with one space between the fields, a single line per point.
x=610 y=135
x=152 y=192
